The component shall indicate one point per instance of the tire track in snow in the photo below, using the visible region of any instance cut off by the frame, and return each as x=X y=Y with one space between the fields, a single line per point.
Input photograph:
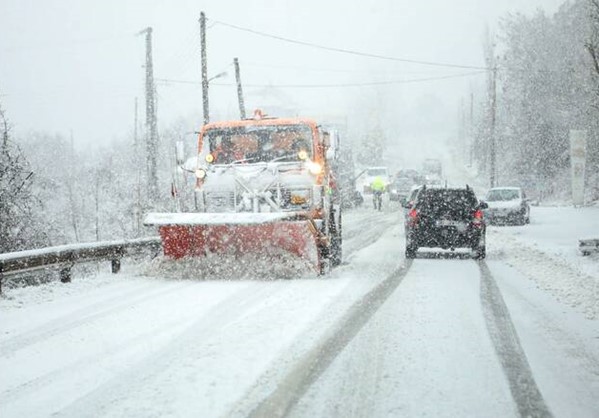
x=370 y=229
x=526 y=394
x=313 y=364
x=171 y=360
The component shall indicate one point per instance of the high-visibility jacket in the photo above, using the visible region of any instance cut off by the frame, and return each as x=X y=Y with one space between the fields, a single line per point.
x=378 y=185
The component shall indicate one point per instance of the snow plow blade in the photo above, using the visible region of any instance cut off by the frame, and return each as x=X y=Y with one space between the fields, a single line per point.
x=238 y=234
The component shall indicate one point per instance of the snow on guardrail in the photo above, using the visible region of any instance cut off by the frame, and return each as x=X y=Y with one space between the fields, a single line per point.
x=65 y=256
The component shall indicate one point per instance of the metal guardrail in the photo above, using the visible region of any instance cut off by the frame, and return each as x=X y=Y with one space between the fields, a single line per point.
x=66 y=256
x=588 y=246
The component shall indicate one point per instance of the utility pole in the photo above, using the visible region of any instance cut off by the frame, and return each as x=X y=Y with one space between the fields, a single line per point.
x=151 y=122
x=493 y=144
x=239 y=89
x=206 y=108
x=4 y=130
x=471 y=129
x=135 y=122
x=461 y=146
x=136 y=153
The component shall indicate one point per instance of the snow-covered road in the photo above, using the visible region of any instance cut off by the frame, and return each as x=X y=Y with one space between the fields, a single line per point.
x=378 y=337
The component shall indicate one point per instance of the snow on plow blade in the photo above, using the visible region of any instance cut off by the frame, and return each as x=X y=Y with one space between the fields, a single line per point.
x=268 y=234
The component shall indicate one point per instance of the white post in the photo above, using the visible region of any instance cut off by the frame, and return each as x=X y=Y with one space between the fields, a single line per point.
x=578 y=139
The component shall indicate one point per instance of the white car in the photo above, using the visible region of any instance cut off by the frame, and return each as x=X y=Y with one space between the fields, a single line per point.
x=507 y=205
x=370 y=174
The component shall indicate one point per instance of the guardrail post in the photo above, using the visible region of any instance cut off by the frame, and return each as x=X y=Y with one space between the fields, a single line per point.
x=1 y=277
x=116 y=261
x=65 y=273
x=116 y=265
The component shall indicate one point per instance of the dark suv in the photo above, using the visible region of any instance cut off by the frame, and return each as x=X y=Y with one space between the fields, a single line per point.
x=448 y=218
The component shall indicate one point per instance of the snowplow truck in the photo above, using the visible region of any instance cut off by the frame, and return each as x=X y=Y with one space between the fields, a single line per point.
x=263 y=186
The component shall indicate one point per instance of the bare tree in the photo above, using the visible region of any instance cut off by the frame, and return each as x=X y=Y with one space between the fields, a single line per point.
x=592 y=44
x=18 y=217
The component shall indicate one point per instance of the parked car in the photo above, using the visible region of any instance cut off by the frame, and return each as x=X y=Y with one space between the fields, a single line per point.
x=507 y=205
x=448 y=218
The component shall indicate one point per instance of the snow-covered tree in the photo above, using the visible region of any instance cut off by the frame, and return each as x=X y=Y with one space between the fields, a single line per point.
x=548 y=85
x=20 y=226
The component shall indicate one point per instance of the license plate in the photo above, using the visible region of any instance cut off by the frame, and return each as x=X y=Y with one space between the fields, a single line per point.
x=446 y=222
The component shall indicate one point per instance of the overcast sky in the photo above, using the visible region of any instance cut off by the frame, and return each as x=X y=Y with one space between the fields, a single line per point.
x=77 y=65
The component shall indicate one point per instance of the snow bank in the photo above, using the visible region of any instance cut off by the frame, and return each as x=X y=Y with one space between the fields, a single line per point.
x=546 y=251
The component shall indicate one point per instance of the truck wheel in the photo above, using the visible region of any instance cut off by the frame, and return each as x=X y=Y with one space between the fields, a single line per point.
x=324 y=266
x=336 y=251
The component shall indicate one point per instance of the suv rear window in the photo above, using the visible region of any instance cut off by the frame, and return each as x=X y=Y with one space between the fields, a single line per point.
x=454 y=202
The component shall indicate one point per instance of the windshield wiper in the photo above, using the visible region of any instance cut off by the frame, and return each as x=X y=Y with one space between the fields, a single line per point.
x=243 y=160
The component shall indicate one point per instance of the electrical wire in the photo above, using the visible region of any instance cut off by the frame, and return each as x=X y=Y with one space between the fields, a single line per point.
x=348 y=51
x=330 y=70
x=341 y=85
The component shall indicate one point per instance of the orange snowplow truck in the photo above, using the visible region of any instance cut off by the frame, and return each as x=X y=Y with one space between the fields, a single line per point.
x=262 y=186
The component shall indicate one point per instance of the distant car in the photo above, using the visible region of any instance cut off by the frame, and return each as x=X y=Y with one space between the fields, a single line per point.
x=448 y=218
x=432 y=166
x=400 y=188
x=409 y=173
x=433 y=180
x=507 y=205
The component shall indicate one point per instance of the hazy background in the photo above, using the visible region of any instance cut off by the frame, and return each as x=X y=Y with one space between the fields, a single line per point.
x=77 y=66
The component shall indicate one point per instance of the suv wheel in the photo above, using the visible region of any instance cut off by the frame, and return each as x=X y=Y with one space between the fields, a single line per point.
x=411 y=250
x=480 y=252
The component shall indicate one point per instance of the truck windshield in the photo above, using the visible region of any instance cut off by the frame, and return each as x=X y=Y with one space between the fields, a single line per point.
x=260 y=143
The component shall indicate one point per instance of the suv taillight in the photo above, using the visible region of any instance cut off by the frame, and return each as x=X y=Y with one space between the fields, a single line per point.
x=478 y=218
x=413 y=217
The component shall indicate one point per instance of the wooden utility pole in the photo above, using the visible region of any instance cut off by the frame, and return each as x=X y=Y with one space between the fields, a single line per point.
x=493 y=141
x=135 y=144
x=471 y=130
x=151 y=121
x=206 y=107
x=239 y=89
x=4 y=130
x=136 y=153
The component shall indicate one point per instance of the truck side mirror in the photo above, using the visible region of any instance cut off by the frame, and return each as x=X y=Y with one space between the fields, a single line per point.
x=330 y=154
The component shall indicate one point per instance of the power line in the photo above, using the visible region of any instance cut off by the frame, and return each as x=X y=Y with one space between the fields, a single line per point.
x=348 y=51
x=341 y=85
x=330 y=70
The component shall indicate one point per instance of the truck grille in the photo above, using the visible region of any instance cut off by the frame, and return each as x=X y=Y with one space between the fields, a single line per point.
x=220 y=201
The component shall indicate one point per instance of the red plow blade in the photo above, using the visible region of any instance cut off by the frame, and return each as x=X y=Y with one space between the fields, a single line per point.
x=266 y=236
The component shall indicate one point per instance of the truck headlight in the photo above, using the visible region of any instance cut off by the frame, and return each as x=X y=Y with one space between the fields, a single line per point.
x=200 y=173
x=314 y=168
